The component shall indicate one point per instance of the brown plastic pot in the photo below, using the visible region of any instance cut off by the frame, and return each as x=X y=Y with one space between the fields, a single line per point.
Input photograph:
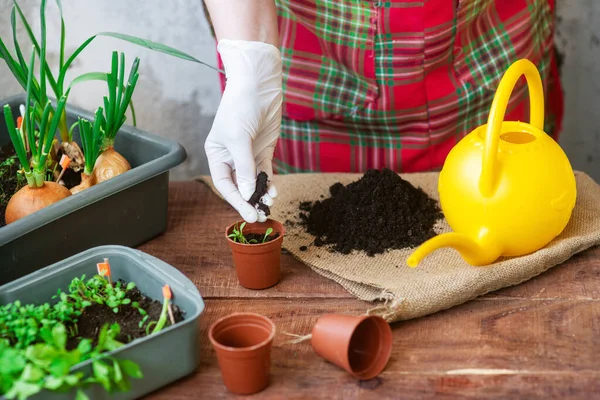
x=361 y=345
x=243 y=342
x=258 y=266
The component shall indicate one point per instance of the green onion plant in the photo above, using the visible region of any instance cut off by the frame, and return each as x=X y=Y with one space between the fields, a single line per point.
x=39 y=141
x=91 y=139
x=119 y=97
x=16 y=63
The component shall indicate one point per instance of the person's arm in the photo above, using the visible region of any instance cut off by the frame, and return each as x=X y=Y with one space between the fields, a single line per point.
x=253 y=20
x=247 y=124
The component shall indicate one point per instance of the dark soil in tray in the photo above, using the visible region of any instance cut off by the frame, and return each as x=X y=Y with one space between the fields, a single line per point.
x=262 y=181
x=10 y=182
x=128 y=318
x=379 y=212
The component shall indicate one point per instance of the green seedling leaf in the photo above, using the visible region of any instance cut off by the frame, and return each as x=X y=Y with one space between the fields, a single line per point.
x=59 y=334
x=32 y=374
x=61 y=365
x=102 y=374
x=84 y=346
x=118 y=375
x=23 y=390
x=80 y=395
x=131 y=369
x=130 y=286
x=53 y=382
x=41 y=354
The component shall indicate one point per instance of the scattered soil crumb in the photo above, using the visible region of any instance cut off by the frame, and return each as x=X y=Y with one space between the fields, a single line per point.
x=303 y=248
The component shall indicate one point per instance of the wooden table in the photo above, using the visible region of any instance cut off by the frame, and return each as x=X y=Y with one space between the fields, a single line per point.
x=540 y=339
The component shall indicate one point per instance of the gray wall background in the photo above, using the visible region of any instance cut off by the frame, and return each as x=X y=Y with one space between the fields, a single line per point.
x=178 y=99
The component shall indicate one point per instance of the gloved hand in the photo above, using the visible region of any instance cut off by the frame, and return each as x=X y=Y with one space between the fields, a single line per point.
x=247 y=123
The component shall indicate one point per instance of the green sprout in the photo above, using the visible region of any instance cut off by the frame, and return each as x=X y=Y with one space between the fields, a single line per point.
x=98 y=290
x=237 y=235
x=119 y=97
x=91 y=140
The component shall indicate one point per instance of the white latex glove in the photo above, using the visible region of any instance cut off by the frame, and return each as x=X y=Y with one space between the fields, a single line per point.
x=247 y=123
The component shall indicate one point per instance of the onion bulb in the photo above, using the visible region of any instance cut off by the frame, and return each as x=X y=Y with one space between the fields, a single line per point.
x=87 y=181
x=31 y=199
x=109 y=164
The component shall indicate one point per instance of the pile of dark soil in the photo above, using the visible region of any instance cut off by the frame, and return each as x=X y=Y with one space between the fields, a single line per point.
x=379 y=212
x=262 y=181
x=128 y=318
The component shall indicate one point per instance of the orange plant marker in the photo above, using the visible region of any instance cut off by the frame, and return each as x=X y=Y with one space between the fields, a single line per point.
x=19 y=122
x=65 y=161
x=64 y=164
x=104 y=270
x=167 y=295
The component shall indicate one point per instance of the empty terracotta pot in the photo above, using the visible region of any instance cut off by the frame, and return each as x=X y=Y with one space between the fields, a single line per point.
x=243 y=342
x=361 y=345
x=257 y=265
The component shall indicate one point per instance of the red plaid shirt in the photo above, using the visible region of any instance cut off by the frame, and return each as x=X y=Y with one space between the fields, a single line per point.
x=372 y=84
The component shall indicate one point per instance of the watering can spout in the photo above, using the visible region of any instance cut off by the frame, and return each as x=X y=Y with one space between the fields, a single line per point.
x=472 y=251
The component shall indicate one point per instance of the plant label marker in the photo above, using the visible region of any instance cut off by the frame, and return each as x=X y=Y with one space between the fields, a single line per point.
x=64 y=164
x=167 y=295
x=104 y=270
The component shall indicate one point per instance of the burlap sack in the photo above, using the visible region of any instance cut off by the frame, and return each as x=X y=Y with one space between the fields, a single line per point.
x=442 y=280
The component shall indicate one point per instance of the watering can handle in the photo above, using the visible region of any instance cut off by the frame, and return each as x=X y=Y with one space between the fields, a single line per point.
x=497 y=113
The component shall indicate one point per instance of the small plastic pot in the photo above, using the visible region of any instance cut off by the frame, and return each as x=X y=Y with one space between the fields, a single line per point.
x=243 y=342
x=361 y=345
x=258 y=266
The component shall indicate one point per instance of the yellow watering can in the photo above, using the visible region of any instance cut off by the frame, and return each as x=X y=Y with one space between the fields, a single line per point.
x=507 y=188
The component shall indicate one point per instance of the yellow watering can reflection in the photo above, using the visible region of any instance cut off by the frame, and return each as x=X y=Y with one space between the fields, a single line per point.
x=507 y=188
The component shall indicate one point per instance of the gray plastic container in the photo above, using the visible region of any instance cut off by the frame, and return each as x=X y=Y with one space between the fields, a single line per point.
x=127 y=210
x=163 y=357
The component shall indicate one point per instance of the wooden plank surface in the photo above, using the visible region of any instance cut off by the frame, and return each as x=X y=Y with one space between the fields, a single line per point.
x=540 y=339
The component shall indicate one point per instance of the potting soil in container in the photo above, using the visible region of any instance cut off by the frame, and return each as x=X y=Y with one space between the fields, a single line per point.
x=10 y=182
x=128 y=318
x=379 y=212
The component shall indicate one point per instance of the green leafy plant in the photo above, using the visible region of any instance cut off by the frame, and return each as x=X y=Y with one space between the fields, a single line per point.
x=97 y=290
x=47 y=365
x=237 y=235
x=35 y=354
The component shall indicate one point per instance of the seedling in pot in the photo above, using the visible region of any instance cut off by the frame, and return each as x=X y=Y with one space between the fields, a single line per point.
x=38 y=193
x=238 y=235
x=256 y=250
